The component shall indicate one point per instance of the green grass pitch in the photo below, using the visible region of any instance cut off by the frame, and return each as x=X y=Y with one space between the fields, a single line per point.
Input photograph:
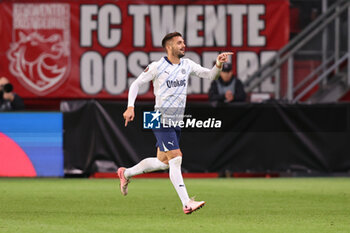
x=233 y=205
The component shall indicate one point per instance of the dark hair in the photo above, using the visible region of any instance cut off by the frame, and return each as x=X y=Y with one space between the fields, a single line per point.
x=169 y=36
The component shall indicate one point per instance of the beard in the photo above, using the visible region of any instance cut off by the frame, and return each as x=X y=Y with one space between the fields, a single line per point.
x=178 y=54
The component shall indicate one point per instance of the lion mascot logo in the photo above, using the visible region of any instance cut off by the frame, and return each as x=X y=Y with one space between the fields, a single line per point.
x=40 y=63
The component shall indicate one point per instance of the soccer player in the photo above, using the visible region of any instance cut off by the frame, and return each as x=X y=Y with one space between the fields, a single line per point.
x=170 y=78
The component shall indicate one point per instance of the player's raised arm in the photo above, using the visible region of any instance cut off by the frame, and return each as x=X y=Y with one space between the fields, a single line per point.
x=222 y=58
x=146 y=76
x=213 y=73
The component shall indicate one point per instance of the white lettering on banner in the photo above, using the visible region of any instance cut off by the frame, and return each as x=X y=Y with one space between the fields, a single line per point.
x=41 y=10
x=194 y=25
x=92 y=68
x=165 y=19
x=87 y=25
x=110 y=73
x=168 y=18
x=215 y=26
x=96 y=73
x=91 y=72
x=107 y=15
x=255 y=25
x=115 y=73
x=201 y=25
x=40 y=16
x=139 y=13
x=247 y=64
x=236 y=12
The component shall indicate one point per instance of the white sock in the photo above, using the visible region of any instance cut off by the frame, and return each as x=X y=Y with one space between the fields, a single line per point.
x=177 y=180
x=145 y=166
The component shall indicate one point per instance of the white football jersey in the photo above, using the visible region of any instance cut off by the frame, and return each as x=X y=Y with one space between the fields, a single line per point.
x=170 y=82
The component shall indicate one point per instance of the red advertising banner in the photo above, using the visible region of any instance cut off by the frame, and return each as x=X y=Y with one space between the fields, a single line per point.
x=95 y=49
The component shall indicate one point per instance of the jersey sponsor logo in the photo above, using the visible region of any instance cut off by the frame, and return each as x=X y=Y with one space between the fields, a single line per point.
x=176 y=83
x=39 y=55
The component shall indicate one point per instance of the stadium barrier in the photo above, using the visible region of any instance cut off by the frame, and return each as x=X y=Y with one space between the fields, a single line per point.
x=256 y=138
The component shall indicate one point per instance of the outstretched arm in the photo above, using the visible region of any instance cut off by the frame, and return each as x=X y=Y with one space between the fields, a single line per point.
x=222 y=58
x=129 y=114
x=145 y=77
x=213 y=73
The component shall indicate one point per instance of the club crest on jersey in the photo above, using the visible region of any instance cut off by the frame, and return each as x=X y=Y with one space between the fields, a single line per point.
x=176 y=83
x=183 y=71
x=39 y=55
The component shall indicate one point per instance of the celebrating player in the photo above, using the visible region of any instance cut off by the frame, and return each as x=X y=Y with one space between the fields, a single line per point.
x=170 y=78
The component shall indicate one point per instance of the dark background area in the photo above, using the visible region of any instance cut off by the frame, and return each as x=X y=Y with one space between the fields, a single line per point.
x=269 y=137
